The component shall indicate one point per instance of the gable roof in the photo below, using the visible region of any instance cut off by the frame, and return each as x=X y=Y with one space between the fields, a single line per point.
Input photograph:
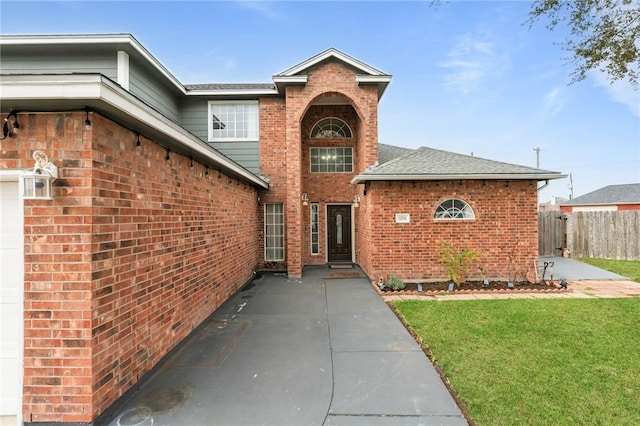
x=365 y=74
x=612 y=194
x=331 y=53
x=433 y=164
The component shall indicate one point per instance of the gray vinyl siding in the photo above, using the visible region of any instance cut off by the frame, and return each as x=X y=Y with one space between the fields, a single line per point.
x=90 y=63
x=244 y=153
x=194 y=118
x=150 y=90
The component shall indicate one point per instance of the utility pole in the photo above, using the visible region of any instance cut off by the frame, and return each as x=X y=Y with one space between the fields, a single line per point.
x=537 y=149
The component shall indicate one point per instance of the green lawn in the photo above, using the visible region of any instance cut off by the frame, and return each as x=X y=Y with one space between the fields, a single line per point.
x=627 y=268
x=537 y=361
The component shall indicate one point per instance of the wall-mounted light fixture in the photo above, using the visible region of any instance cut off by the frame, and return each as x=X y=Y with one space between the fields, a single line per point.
x=87 y=122
x=356 y=201
x=138 y=140
x=12 y=130
x=37 y=183
x=305 y=199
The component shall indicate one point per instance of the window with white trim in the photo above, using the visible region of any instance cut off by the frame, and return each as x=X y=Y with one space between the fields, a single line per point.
x=273 y=232
x=233 y=121
x=315 y=231
x=331 y=128
x=332 y=160
x=454 y=208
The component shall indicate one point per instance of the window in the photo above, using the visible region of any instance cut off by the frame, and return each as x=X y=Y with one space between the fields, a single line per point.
x=331 y=160
x=273 y=232
x=454 y=208
x=331 y=128
x=233 y=121
x=315 y=232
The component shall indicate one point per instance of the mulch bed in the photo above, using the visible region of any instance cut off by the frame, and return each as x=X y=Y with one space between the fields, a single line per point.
x=471 y=287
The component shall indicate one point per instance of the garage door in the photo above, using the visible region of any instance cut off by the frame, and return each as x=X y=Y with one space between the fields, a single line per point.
x=11 y=296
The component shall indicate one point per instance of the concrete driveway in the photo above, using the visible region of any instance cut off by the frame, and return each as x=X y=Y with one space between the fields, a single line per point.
x=313 y=351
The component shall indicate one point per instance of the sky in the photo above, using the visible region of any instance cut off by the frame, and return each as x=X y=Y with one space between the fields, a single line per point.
x=468 y=76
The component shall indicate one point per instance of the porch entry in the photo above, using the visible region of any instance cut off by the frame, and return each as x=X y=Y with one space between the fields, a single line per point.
x=339 y=233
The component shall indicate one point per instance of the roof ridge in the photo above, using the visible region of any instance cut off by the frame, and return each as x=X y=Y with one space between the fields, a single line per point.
x=473 y=157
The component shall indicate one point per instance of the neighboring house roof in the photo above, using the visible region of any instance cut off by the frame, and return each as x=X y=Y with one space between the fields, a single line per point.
x=433 y=164
x=612 y=194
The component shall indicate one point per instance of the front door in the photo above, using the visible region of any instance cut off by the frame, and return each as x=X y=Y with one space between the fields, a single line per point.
x=339 y=233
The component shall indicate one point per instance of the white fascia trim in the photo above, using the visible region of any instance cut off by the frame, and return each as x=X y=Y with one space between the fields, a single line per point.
x=123 y=69
x=612 y=203
x=95 y=39
x=372 y=79
x=293 y=79
x=538 y=177
x=45 y=87
x=97 y=87
x=233 y=92
x=328 y=54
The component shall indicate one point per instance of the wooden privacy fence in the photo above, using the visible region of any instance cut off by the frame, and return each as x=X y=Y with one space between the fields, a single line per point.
x=605 y=235
x=551 y=233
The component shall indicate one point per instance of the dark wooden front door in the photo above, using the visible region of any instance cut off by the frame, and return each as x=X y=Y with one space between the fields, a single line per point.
x=339 y=233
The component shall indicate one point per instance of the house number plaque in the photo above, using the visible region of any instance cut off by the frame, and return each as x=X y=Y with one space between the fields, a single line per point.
x=403 y=218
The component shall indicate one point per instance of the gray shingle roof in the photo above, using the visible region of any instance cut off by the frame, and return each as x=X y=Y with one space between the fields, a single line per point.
x=612 y=194
x=387 y=153
x=433 y=164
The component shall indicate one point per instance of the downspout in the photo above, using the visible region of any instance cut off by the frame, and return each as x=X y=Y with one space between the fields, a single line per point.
x=546 y=183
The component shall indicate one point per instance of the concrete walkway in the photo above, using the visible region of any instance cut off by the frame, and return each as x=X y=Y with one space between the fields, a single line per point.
x=314 y=351
x=570 y=269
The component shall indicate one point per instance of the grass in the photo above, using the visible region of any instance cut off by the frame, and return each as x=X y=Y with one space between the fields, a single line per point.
x=627 y=268
x=536 y=361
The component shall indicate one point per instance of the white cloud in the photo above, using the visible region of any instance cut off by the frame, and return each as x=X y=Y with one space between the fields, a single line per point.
x=261 y=7
x=469 y=62
x=620 y=91
x=553 y=101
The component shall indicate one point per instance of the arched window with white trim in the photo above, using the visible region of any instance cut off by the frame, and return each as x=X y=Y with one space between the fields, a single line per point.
x=454 y=208
x=331 y=128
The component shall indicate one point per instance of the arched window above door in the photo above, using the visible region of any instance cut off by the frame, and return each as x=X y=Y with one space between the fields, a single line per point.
x=331 y=128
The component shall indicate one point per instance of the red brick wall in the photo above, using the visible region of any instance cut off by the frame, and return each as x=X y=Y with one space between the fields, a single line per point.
x=131 y=255
x=622 y=207
x=273 y=155
x=325 y=188
x=505 y=224
x=284 y=155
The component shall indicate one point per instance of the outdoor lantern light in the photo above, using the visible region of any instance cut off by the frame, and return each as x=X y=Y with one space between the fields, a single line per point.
x=12 y=130
x=37 y=183
x=305 y=199
x=87 y=122
x=356 y=201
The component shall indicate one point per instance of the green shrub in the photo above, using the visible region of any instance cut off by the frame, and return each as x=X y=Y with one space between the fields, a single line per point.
x=395 y=283
x=457 y=263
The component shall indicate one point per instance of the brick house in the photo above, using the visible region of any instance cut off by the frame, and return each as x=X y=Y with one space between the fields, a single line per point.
x=170 y=196
x=608 y=198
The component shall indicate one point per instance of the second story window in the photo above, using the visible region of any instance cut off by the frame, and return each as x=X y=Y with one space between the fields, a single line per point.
x=331 y=128
x=332 y=160
x=233 y=121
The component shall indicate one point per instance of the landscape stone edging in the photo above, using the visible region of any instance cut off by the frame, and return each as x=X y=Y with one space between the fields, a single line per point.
x=468 y=291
